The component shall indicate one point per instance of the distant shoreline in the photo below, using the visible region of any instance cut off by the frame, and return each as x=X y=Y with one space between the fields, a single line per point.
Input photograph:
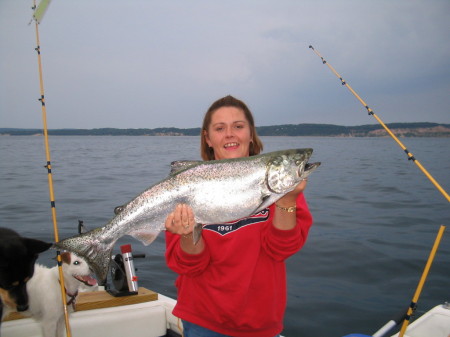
x=424 y=129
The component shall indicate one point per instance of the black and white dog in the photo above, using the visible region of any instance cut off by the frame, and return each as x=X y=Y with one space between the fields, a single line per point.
x=44 y=292
x=17 y=259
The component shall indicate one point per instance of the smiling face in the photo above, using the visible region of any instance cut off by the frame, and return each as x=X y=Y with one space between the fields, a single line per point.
x=229 y=133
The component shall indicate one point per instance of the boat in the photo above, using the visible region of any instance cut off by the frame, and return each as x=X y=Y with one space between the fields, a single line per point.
x=434 y=323
x=97 y=313
x=149 y=314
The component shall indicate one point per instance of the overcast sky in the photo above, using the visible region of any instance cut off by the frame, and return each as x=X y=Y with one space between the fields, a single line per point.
x=148 y=64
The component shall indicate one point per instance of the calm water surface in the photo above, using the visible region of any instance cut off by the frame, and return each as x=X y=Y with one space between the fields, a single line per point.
x=376 y=217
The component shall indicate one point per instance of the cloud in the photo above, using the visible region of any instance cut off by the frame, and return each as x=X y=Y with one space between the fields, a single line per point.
x=146 y=64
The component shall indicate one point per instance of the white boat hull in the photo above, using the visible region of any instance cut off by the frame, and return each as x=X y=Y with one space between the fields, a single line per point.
x=155 y=319
x=434 y=323
x=148 y=319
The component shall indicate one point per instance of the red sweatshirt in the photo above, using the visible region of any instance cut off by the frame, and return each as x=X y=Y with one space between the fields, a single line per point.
x=237 y=285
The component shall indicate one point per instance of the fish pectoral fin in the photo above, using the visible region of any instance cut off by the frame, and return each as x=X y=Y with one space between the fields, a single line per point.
x=197 y=232
x=265 y=202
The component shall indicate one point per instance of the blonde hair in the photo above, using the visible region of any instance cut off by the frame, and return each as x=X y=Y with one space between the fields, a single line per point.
x=256 y=146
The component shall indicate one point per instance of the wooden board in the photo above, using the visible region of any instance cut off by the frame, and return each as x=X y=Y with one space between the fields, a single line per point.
x=12 y=316
x=102 y=299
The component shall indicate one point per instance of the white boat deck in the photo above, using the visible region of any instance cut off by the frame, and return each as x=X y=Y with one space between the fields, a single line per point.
x=434 y=323
x=149 y=319
x=154 y=319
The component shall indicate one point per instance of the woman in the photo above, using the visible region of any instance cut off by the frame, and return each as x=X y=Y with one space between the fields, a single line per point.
x=233 y=281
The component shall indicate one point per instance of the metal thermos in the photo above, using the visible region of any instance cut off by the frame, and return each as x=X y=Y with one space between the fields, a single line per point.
x=129 y=268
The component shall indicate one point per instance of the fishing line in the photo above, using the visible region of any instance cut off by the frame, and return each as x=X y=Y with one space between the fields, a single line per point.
x=48 y=163
x=370 y=111
x=413 y=305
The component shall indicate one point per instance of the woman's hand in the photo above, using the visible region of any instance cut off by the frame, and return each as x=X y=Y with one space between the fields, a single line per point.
x=283 y=219
x=290 y=198
x=182 y=221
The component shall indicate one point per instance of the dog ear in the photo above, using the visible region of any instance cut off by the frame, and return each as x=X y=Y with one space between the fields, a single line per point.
x=65 y=257
x=36 y=246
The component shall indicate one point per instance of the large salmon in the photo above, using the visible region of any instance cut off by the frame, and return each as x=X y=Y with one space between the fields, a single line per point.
x=218 y=191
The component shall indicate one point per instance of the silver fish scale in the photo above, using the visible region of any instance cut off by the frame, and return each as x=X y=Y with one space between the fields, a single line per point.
x=228 y=188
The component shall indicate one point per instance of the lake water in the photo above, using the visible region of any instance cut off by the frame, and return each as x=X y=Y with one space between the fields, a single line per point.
x=376 y=217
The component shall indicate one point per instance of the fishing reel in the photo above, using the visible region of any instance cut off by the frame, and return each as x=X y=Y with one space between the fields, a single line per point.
x=123 y=273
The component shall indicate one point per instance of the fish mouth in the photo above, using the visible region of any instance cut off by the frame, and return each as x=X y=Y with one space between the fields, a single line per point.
x=309 y=168
x=87 y=280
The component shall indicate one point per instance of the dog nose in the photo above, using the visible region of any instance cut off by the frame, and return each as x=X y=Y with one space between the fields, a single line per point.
x=22 y=307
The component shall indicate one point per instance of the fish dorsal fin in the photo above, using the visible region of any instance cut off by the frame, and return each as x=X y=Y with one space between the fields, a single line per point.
x=118 y=209
x=180 y=165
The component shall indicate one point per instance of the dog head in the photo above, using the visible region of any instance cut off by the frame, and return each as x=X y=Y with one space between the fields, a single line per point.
x=17 y=258
x=76 y=268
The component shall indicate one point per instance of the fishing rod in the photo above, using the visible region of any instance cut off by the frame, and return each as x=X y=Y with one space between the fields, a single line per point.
x=370 y=111
x=38 y=13
x=426 y=270
x=405 y=316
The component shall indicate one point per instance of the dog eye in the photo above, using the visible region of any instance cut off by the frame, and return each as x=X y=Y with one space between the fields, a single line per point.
x=10 y=286
x=76 y=263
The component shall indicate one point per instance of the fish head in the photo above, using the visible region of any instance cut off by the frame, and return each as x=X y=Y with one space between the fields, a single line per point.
x=285 y=169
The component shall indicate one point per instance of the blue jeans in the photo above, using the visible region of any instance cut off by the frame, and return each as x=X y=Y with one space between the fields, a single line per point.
x=193 y=330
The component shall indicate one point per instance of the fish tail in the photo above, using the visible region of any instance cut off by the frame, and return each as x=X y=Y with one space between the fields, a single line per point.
x=95 y=251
